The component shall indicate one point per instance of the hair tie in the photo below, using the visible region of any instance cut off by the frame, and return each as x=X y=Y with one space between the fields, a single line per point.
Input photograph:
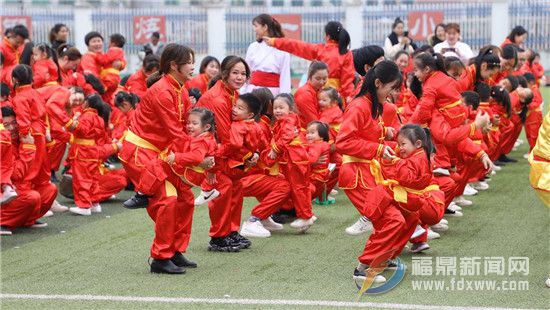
x=339 y=29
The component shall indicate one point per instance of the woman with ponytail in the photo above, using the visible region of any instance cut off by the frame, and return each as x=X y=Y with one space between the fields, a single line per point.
x=159 y=120
x=486 y=64
x=334 y=52
x=269 y=67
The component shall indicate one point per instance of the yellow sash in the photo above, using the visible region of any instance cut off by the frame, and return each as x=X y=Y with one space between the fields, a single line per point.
x=139 y=141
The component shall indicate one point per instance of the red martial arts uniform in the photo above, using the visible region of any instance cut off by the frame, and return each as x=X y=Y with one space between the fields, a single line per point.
x=6 y=156
x=533 y=120
x=89 y=64
x=510 y=134
x=340 y=67
x=333 y=117
x=137 y=83
x=44 y=71
x=319 y=175
x=11 y=58
x=307 y=104
x=361 y=140
x=158 y=121
x=71 y=78
x=110 y=77
x=200 y=82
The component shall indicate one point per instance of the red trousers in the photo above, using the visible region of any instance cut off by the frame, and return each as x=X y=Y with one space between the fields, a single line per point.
x=48 y=193
x=508 y=138
x=171 y=207
x=300 y=193
x=225 y=211
x=431 y=213
x=532 y=125
x=447 y=185
x=110 y=183
x=39 y=171
x=85 y=182
x=19 y=211
x=270 y=191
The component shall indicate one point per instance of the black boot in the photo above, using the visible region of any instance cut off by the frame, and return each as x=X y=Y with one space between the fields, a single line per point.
x=181 y=261
x=165 y=266
x=218 y=244
x=136 y=202
x=53 y=178
x=240 y=241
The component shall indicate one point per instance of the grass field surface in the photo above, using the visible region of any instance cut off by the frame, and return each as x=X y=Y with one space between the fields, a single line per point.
x=106 y=255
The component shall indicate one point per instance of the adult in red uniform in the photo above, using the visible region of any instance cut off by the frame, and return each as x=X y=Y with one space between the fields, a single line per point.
x=159 y=120
x=137 y=82
x=334 y=52
x=210 y=67
x=10 y=47
x=517 y=36
x=90 y=63
x=306 y=96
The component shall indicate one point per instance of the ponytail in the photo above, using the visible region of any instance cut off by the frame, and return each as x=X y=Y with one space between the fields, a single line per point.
x=435 y=61
x=336 y=32
x=386 y=72
x=489 y=56
x=500 y=95
x=274 y=28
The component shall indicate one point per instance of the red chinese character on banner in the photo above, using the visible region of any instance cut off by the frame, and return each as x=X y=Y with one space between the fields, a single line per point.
x=291 y=24
x=10 y=21
x=421 y=24
x=144 y=26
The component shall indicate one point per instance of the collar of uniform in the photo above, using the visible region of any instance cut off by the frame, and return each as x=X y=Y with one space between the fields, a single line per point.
x=8 y=43
x=21 y=88
x=89 y=110
x=417 y=152
x=266 y=120
x=175 y=84
x=332 y=42
x=232 y=93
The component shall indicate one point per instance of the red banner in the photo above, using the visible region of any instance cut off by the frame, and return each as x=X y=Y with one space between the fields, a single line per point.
x=291 y=24
x=10 y=21
x=422 y=23
x=144 y=26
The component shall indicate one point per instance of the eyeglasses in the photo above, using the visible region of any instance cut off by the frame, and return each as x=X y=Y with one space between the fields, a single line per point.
x=10 y=124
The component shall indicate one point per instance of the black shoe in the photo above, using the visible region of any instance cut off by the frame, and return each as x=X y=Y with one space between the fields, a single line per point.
x=499 y=163
x=505 y=159
x=165 y=266
x=284 y=216
x=359 y=275
x=136 y=202
x=218 y=244
x=238 y=240
x=179 y=260
x=5 y=231
x=53 y=178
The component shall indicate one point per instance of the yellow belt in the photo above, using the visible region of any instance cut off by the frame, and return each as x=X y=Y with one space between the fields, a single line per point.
x=336 y=127
x=334 y=83
x=139 y=141
x=88 y=142
x=450 y=105
x=109 y=70
x=2 y=127
x=51 y=83
x=296 y=141
x=352 y=159
x=400 y=192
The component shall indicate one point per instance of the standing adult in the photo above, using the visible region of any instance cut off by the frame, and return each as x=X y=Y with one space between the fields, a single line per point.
x=89 y=63
x=438 y=36
x=155 y=45
x=398 y=40
x=452 y=46
x=269 y=66
x=59 y=34
x=517 y=36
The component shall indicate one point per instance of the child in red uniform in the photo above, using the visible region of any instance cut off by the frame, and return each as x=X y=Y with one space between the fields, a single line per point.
x=126 y=103
x=289 y=151
x=112 y=63
x=137 y=82
x=6 y=166
x=334 y=53
x=533 y=119
x=306 y=97
x=45 y=68
x=318 y=145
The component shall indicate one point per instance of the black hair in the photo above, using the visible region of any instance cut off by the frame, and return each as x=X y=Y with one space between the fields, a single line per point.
x=1 y=58
x=274 y=29
x=150 y=62
x=178 y=53
x=315 y=66
x=207 y=118
x=8 y=111
x=509 y=51
x=484 y=92
x=26 y=54
x=413 y=133
x=398 y=54
x=433 y=61
x=266 y=99
x=386 y=72
x=416 y=87
x=322 y=128
x=55 y=30
x=529 y=77
x=195 y=93
x=44 y=48
x=501 y=95
x=396 y=22
x=8 y=31
x=95 y=82
x=122 y=96
x=488 y=56
x=471 y=98
x=366 y=55
x=522 y=81
x=334 y=96
x=71 y=52
x=336 y=32
x=155 y=34
x=23 y=74
x=253 y=103
x=103 y=110
x=90 y=35
x=516 y=31
x=4 y=90
x=207 y=60
x=424 y=49
x=227 y=65
x=514 y=82
x=20 y=30
x=453 y=61
x=118 y=40
x=289 y=99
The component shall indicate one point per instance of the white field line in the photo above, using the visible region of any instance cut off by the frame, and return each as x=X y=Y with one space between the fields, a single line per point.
x=229 y=301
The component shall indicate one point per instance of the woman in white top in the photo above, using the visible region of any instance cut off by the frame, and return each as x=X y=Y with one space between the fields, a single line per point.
x=452 y=46
x=270 y=67
x=398 y=40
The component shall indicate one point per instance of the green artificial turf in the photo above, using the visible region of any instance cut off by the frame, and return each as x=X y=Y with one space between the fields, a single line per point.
x=106 y=254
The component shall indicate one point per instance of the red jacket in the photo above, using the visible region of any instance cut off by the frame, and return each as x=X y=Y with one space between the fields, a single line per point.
x=307 y=104
x=245 y=139
x=24 y=155
x=30 y=110
x=315 y=150
x=87 y=137
x=161 y=114
x=333 y=117
x=340 y=67
x=390 y=117
x=286 y=141
x=10 y=53
x=220 y=100
x=200 y=82
x=90 y=64
x=190 y=153
x=137 y=83
x=58 y=117
x=44 y=71
x=71 y=78
x=412 y=172
x=440 y=92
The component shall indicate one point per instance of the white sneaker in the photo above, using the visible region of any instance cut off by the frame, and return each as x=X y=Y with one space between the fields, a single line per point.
x=526 y=156
x=419 y=247
x=96 y=208
x=254 y=229
x=418 y=232
x=48 y=214
x=454 y=207
x=333 y=192
x=331 y=167
x=462 y=202
x=57 y=207
x=38 y=224
x=441 y=171
x=455 y=214
x=314 y=218
x=360 y=227
x=439 y=227
x=271 y=225
x=496 y=168
x=205 y=197
x=80 y=211
x=480 y=185
x=377 y=279
x=444 y=221
x=433 y=235
x=8 y=194
x=302 y=223
x=469 y=191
